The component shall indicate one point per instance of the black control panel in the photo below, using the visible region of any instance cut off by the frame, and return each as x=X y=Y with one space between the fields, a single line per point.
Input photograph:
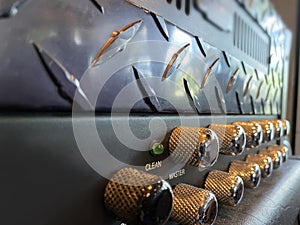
x=145 y=112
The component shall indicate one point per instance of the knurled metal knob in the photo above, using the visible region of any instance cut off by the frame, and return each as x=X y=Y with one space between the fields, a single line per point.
x=197 y=147
x=286 y=127
x=284 y=151
x=275 y=155
x=278 y=128
x=193 y=206
x=253 y=132
x=249 y=172
x=267 y=129
x=232 y=138
x=139 y=198
x=265 y=163
x=228 y=188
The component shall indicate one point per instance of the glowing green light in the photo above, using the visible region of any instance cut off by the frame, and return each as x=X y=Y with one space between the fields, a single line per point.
x=157 y=149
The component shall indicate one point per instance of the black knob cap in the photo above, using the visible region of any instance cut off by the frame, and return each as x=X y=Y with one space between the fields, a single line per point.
x=139 y=198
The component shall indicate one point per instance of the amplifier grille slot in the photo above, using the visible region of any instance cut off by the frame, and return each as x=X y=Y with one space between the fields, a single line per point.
x=249 y=41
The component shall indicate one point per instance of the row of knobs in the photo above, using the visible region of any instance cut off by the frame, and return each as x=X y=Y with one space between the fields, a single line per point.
x=139 y=198
x=200 y=147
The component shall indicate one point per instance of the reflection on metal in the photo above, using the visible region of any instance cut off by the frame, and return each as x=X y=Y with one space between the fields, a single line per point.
x=247 y=86
x=268 y=94
x=161 y=25
x=187 y=7
x=226 y=58
x=238 y=102
x=273 y=79
x=266 y=79
x=271 y=107
x=259 y=89
x=178 y=4
x=13 y=10
x=174 y=26
x=263 y=106
x=147 y=90
x=252 y=105
x=256 y=74
x=220 y=101
x=114 y=36
x=65 y=81
x=275 y=95
x=230 y=83
x=244 y=68
x=98 y=5
x=208 y=73
x=203 y=8
x=193 y=99
x=200 y=46
x=172 y=61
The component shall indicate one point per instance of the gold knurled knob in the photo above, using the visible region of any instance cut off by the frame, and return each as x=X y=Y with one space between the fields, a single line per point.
x=228 y=188
x=137 y=197
x=232 y=138
x=278 y=128
x=267 y=129
x=193 y=206
x=197 y=147
x=249 y=172
x=286 y=127
x=284 y=151
x=265 y=163
x=275 y=155
x=253 y=132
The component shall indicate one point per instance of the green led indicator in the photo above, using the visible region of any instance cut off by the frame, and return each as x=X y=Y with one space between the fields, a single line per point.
x=157 y=149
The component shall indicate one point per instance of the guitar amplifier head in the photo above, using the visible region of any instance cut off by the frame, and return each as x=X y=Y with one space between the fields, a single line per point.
x=185 y=98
